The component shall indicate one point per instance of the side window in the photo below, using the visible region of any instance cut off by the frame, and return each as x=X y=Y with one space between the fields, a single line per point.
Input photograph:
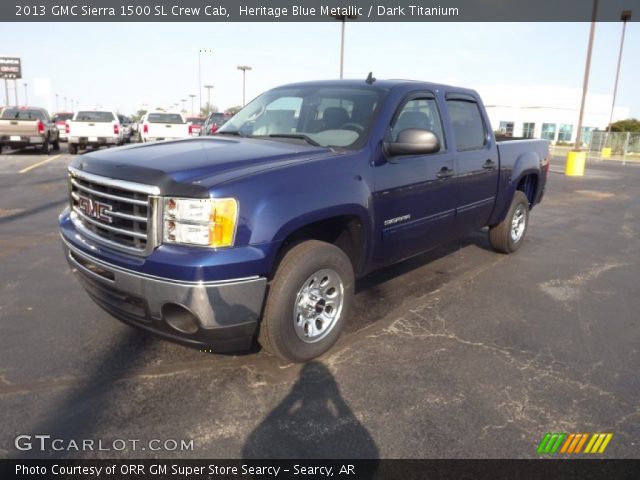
x=468 y=125
x=419 y=113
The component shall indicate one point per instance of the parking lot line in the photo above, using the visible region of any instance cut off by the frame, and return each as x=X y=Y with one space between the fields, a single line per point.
x=31 y=167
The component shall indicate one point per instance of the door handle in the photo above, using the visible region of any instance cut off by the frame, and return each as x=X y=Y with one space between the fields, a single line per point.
x=445 y=172
x=489 y=164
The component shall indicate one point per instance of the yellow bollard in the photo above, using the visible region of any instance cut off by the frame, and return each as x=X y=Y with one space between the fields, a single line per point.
x=606 y=152
x=575 y=164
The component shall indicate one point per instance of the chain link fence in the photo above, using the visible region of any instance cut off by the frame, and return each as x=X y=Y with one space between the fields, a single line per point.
x=620 y=146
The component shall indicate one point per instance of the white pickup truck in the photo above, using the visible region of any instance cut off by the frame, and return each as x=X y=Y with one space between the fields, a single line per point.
x=164 y=126
x=93 y=128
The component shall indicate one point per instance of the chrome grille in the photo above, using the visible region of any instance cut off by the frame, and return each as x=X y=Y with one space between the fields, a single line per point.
x=114 y=212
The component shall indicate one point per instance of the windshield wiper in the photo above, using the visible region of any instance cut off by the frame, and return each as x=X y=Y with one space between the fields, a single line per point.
x=237 y=133
x=297 y=136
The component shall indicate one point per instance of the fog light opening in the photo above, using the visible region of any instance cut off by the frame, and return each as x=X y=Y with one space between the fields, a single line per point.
x=179 y=318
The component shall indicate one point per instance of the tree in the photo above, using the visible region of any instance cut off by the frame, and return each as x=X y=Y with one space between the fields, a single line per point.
x=138 y=115
x=233 y=110
x=628 y=125
x=207 y=109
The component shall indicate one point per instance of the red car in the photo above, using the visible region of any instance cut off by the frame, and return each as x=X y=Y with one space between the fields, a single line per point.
x=60 y=119
x=196 y=124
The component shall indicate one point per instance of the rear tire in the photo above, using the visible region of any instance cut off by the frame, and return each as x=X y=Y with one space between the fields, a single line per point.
x=508 y=235
x=73 y=148
x=308 y=302
x=45 y=147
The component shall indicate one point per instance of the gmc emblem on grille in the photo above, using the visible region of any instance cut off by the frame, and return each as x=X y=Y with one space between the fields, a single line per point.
x=95 y=209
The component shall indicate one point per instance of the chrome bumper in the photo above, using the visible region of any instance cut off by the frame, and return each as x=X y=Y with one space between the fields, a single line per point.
x=225 y=314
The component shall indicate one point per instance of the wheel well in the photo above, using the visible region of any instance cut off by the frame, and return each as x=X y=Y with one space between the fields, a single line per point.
x=345 y=232
x=529 y=185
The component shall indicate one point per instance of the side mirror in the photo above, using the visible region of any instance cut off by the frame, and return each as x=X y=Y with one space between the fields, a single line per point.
x=413 y=141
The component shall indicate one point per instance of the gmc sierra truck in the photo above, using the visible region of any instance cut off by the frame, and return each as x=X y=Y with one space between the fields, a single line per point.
x=259 y=232
x=164 y=126
x=28 y=127
x=93 y=129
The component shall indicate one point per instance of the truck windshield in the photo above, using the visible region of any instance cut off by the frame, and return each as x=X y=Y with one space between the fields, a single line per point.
x=165 y=118
x=92 y=116
x=326 y=116
x=20 y=114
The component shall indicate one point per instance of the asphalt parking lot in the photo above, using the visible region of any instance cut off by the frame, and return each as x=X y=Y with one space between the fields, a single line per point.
x=458 y=353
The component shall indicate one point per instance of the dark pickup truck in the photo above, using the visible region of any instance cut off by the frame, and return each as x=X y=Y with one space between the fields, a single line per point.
x=259 y=232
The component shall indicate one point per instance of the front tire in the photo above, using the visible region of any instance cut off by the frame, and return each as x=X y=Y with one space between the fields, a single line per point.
x=308 y=302
x=508 y=235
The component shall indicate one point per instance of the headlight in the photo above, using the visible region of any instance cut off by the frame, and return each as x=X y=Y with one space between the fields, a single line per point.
x=209 y=222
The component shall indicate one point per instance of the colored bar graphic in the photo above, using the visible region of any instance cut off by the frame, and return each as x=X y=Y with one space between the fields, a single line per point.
x=605 y=443
x=543 y=444
x=584 y=439
x=572 y=443
x=567 y=443
x=561 y=437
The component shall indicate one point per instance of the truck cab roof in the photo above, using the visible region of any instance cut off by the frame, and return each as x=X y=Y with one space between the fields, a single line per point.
x=390 y=84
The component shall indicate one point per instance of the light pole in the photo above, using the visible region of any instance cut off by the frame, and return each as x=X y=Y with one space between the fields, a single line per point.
x=26 y=97
x=202 y=50
x=576 y=158
x=183 y=100
x=244 y=69
x=57 y=106
x=625 y=16
x=208 y=87
x=343 y=19
x=192 y=97
x=65 y=105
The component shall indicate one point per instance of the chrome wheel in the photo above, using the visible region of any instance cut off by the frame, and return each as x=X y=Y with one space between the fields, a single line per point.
x=518 y=223
x=318 y=305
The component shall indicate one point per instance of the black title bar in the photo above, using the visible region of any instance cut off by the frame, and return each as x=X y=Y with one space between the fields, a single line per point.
x=312 y=10
x=317 y=469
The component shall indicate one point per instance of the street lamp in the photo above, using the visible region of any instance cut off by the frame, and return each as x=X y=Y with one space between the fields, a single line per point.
x=57 y=106
x=202 y=50
x=183 y=100
x=624 y=16
x=192 y=97
x=244 y=69
x=26 y=98
x=65 y=104
x=208 y=87
x=343 y=19
x=576 y=158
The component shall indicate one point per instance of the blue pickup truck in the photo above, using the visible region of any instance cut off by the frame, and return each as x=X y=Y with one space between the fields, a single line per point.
x=258 y=232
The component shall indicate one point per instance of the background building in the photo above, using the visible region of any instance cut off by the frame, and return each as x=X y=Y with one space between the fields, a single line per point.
x=548 y=112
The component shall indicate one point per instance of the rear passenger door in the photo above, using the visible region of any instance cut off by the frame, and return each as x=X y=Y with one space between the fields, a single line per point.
x=476 y=159
x=414 y=202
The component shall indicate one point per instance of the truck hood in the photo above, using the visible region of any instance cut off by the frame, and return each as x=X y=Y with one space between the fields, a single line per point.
x=191 y=166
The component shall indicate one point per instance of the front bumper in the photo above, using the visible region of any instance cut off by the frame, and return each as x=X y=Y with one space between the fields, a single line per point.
x=224 y=314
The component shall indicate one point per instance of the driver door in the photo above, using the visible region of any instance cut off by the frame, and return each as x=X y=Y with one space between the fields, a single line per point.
x=415 y=194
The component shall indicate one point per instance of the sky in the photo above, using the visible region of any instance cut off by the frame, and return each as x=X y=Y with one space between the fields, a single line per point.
x=127 y=65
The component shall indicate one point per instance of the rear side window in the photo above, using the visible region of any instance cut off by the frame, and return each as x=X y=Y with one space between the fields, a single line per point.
x=468 y=125
x=93 y=116
x=164 y=118
x=19 y=114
